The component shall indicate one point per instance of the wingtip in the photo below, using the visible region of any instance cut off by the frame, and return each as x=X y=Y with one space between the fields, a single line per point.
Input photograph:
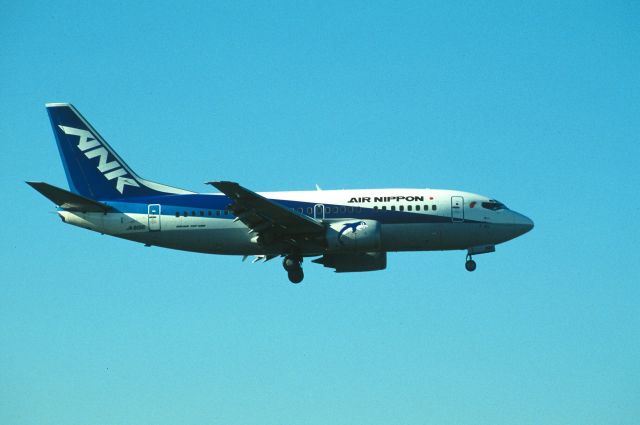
x=56 y=104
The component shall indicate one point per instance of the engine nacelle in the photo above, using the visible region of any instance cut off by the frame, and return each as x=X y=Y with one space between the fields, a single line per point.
x=353 y=235
x=354 y=261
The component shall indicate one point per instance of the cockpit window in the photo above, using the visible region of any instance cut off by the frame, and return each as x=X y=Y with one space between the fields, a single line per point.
x=494 y=205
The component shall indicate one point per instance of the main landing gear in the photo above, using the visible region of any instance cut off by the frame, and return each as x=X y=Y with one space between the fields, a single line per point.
x=470 y=265
x=293 y=265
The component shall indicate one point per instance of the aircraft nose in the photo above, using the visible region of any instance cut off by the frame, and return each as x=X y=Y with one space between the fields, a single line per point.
x=523 y=223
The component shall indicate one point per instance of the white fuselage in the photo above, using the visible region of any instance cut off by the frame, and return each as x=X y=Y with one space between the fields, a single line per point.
x=409 y=220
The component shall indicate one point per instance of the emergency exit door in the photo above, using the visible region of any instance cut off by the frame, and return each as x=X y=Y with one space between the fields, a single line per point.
x=154 y=217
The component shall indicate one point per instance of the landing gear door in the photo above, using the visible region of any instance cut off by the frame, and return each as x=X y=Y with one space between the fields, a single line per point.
x=318 y=212
x=154 y=217
x=457 y=209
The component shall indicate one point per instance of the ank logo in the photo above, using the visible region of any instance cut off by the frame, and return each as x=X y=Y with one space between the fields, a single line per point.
x=354 y=227
x=92 y=148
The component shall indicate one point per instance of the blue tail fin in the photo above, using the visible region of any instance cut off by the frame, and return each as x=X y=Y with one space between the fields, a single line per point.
x=93 y=168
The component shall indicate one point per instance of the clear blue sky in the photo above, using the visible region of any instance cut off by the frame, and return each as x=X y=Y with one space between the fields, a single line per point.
x=534 y=104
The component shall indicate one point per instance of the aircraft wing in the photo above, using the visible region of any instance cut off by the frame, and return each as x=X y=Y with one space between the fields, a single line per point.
x=267 y=217
x=68 y=200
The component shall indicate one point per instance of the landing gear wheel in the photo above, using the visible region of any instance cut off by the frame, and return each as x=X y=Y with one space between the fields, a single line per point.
x=296 y=276
x=470 y=265
x=291 y=263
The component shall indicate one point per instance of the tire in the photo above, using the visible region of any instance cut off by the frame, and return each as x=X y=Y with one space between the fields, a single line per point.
x=290 y=263
x=296 y=276
x=470 y=265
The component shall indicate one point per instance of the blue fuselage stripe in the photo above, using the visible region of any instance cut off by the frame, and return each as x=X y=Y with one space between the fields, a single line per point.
x=192 y=205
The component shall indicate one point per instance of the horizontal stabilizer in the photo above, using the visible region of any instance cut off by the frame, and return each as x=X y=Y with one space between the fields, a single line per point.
x=68 y=200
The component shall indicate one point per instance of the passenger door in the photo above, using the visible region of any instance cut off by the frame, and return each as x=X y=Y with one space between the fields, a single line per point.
x=457 y=209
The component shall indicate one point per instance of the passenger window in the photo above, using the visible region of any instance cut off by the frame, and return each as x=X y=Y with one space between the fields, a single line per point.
x=218 y=213
x=300 y=210
x=417 y=207
x=186 y=213
x=375 y=207
x=209 y=213
x=401 y=207
x=193 y=213
x=343 y=209
x=350 y=209
x=177 y=213
x=384 y=208
x=433 y=207
x=201 y=213
x=309 y=211
x=409 y=208
x=393 y=207
x=335 y=210
x=426 y=207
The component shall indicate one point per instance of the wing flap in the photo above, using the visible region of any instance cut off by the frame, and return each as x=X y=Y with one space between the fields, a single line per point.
x=68 y=200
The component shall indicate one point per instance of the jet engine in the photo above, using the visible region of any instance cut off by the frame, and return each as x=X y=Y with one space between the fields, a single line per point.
x=354 y=261
x=353 y=235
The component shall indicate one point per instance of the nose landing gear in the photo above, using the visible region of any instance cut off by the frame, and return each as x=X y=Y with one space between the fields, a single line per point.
x=470 y=265
x=293 y=265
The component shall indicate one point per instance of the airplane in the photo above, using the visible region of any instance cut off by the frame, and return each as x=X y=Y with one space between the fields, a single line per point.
x=348 y=230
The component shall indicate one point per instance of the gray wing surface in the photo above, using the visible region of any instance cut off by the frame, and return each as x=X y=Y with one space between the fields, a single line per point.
x=68 y=200
x=272 y=221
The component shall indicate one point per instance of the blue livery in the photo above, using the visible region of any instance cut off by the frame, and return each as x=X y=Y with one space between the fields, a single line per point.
x=349 y=230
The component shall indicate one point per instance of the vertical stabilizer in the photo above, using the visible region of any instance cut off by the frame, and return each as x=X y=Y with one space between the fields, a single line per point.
x=93 y=168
